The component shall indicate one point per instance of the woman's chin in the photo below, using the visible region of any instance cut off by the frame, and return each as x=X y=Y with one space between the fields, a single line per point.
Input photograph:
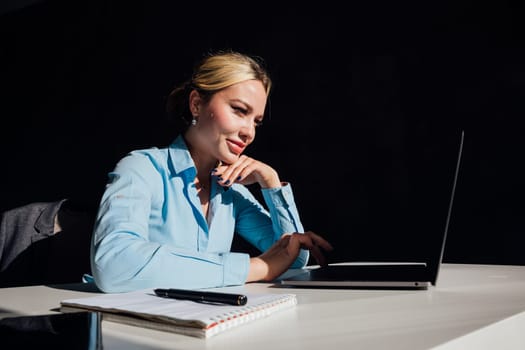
x=230 y=159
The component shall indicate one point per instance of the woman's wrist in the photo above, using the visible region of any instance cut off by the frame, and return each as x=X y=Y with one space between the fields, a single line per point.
x=258 y=270
x=272 y=181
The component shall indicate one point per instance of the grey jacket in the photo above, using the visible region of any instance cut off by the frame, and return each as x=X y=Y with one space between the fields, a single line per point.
x=43 y=243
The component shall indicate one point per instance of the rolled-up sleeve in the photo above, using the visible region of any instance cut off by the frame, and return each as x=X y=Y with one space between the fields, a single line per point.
x=281 y=204
x=263 y=227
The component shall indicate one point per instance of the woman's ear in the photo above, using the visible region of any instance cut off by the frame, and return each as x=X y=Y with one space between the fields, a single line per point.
x=195 y=102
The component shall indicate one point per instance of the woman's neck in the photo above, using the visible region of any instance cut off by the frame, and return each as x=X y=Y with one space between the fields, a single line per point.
x=204 y=162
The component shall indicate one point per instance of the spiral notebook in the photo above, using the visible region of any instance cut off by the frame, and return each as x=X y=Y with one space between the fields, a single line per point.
x=203 y=320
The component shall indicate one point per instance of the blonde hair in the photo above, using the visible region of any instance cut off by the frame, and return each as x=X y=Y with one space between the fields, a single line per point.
x=221 y=70
x=216 y=71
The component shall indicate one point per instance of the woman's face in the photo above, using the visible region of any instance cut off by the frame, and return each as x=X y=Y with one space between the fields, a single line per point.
x=226 y=125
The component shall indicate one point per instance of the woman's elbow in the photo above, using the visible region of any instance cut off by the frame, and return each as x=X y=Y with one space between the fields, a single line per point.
x=107 y=282
x=109 y=276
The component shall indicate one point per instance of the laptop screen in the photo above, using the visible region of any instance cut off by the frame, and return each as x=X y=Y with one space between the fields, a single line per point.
x=394 y=199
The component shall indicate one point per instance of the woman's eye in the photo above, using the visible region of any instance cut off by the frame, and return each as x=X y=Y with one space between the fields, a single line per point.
x=240 y=110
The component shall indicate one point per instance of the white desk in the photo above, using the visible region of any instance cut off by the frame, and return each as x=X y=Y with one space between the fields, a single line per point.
x=472 y=307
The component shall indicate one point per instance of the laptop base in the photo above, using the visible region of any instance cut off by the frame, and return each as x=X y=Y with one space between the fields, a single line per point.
x=363 y=275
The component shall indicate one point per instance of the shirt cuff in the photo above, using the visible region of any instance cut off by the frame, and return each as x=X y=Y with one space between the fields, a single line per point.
x=279 y=196
x=236 y=267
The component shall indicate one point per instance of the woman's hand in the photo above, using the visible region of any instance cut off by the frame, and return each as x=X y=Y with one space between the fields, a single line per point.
x=247 y=171
x=276 y=260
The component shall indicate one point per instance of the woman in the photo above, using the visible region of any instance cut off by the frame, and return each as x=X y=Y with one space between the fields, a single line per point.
x=167 y=216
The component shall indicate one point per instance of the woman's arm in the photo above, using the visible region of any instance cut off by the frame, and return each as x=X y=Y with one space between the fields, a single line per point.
x=281 y=250
x=133 y=244
x=276 y=260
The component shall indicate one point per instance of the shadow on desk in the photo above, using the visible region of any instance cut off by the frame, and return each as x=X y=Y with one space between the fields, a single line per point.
x=77 y=287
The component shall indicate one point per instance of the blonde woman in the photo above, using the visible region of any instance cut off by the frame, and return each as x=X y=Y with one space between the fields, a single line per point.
x=168 y=215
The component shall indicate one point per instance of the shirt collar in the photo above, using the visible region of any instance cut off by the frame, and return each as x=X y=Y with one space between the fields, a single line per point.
x=181 y=162
x=180 y=157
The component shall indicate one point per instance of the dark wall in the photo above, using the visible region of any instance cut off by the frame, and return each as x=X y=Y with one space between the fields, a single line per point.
x=358 y=88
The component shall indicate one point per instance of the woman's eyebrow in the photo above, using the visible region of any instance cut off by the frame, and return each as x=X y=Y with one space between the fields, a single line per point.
x=241 y=101
x=248 y=106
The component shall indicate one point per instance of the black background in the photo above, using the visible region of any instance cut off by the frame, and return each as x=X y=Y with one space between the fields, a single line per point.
x=357 y=89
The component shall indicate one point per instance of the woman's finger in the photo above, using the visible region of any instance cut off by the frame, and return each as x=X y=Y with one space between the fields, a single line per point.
x=236 y=172
x=294 y=244
x=314 y=243
x=318 y=255
x=319 y=241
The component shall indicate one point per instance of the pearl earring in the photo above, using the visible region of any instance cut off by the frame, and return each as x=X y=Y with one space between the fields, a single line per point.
x=193 y=121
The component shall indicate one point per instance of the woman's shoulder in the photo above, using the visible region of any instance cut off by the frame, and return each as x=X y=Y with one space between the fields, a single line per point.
x=147 y=157
x=152 y=152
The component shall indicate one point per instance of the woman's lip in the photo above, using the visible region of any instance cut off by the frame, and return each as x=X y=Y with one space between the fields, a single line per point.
x=235 y=146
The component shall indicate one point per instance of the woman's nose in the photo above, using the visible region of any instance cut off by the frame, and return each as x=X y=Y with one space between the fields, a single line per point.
x=247 y=131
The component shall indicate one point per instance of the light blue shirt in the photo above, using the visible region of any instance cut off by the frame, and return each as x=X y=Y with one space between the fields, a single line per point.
x=150 y=231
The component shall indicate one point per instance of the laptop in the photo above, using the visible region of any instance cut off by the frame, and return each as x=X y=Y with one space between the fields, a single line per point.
x=397 y=274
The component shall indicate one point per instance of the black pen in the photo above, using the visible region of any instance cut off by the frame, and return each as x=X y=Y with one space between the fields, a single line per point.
x=203 y=296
